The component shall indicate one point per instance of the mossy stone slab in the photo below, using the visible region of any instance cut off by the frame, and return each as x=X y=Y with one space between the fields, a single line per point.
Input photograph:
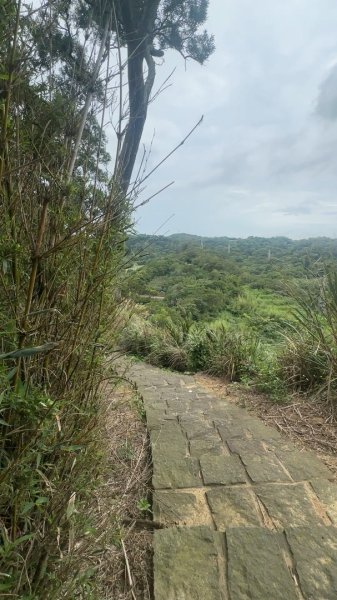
x=327 y=493
x=303 y=466
x=264 y=467
x=175 y=507
x=256 y=566
x=178 y=473
x=233 y=507
x=222 y=470
x=288 y=504
x=315 y=554
x=186 y=565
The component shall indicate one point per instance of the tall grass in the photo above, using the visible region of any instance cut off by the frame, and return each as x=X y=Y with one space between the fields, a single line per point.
x=308 y=360
x=179 y=345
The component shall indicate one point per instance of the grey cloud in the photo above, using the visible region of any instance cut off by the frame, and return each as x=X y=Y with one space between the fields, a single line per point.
x=327 y=99
x=264 y=162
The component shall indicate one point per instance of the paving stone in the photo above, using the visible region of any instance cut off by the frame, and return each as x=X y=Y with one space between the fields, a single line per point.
x=230 y=411
x=264 y=467
x=233 y=507
x=194 y=427
x=169 y=438
x=187 y=560
x=179 y=407
x=186 y=565
x=280 y=445
x=187 y=509
x=256 y=566
x=234 y=430
x=303 y=465
x=315 y=554
x=171 y=472
x=289 y=504
x=245 y=446
x=261 y=431
x=327 y=493
x=209 y=443
x=222 y=470
x=154 y=418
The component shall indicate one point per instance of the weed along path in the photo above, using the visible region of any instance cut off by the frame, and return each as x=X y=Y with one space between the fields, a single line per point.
x=240 y=513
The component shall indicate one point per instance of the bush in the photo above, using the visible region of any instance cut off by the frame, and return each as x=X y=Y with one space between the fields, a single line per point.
x=303 y=363
x=269 y=378
x=231 y=354
x=137 y=336
x=308 y=361
x=162 y=343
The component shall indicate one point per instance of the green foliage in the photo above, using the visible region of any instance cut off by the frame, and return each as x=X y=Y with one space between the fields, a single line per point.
x=231 y=354
x=182 y=346
x=60 y=258
x=144 y=505
x=256 y=310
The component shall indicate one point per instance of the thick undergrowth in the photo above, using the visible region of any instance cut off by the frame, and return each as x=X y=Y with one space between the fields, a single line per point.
x=302 y=359
x=63 y=222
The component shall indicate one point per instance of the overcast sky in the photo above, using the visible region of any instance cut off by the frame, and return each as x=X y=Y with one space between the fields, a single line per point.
x=264 y=161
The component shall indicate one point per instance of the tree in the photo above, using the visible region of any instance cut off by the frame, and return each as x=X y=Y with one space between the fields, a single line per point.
x=147 y=28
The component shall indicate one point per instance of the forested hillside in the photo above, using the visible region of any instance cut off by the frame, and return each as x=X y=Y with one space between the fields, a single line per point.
x=200 y=277
x=256 y=309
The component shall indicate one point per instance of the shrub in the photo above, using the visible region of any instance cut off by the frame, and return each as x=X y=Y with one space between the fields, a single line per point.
x=303 y=363
x=231 y=354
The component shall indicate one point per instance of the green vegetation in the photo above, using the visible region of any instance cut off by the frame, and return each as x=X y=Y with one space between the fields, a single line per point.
x=67 y=68
x=255 y=310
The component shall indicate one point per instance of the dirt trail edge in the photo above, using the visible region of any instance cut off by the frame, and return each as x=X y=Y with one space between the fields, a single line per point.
x=245 y=514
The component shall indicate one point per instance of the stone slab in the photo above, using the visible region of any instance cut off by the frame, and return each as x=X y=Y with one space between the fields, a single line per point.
x=234 y=430
x=256 y=566
x=168 y=439
x=222 y=470
x=186 y=565
x=195 y=427
x=315 y=554
x=261 y=431
x=233 y=507
x=177 y=473
x=303 y=466
x=247 y=428
x=187 y=509
x=209 y=443
x=245 y=446
x=264 y=467
x=287 y=504
x=327 y=493
x=154 y=418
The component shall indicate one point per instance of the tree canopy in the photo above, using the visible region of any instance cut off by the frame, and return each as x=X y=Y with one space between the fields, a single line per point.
x=147 y=28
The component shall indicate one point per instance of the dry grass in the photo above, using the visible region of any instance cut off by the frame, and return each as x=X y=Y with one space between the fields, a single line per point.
x=306 y=422
x=125 y=563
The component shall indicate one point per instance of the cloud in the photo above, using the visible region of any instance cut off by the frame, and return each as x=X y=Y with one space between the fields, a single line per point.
x=327 y=99
x=264 y=160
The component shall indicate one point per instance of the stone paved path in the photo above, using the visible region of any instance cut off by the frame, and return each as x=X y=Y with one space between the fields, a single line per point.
x=246 y=515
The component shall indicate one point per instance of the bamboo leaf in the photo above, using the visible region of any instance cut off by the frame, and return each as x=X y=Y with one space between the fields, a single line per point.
x=41 y=500
x=22 y=539
x=29 y=351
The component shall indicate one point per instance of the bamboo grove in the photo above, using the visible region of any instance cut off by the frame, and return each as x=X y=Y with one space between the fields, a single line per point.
x=63 y=222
